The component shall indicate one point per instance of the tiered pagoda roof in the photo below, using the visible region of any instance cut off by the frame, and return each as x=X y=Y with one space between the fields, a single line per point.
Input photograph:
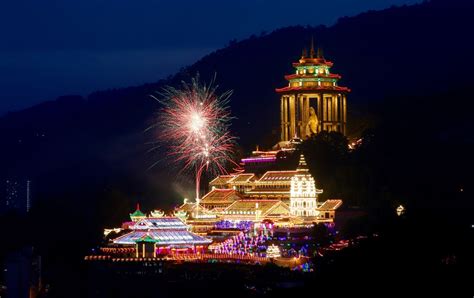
x=190 y=208
x=242 y=178
x=163 y=238
x=221 y=196
x=160 y=223
x=262 y=190
x=312 y=75
x=163 y=231
x=277 y=176
x=330 y=205
x=138 y=214
x=221 y=180
x=312 y=88
x=146 y=238
x=250 y=208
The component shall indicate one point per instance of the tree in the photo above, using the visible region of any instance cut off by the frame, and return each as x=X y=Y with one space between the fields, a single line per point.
x=321 y=235
x=327 y=156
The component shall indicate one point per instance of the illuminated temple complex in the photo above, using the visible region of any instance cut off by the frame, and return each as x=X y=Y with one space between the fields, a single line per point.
x=284 y=198
x=312 y=102
x=241 y=208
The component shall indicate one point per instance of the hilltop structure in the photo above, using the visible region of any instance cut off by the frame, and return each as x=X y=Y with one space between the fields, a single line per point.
x=313 y=101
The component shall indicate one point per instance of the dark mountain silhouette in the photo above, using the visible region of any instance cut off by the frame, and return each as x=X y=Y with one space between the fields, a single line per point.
x=390 y=55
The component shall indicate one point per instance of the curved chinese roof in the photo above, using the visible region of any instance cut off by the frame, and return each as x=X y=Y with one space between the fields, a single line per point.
x=162 y=231
x=312 y=75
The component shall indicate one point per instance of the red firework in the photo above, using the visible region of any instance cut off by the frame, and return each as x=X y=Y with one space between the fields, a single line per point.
x=194 y=124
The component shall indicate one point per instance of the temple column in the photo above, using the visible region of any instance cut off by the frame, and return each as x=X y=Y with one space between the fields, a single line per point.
x=292 y=116
x=307 y=105
x=341 y=113
x=301 y=116
x=335 y=98
x=330 y=110
x=286 y=104
x=297 y=114
x=320 y=112
x=325 y=111
x=282 y=118
x=306 y=114
x=344 y=111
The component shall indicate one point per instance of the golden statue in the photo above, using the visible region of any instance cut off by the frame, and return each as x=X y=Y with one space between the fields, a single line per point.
x=312 y=125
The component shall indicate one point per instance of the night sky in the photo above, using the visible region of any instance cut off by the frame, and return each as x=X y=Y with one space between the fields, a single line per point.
x=55 y=47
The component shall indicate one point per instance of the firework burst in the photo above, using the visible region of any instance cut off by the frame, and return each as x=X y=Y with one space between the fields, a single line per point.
x=193 y=124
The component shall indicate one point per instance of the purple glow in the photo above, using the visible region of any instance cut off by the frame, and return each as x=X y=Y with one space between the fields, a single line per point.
x=259 y=159
x=241 y=225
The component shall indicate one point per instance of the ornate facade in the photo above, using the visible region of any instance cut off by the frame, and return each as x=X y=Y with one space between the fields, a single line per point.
x=303 y=192
x=151 y=236
x=283 y=197
x=313 y=101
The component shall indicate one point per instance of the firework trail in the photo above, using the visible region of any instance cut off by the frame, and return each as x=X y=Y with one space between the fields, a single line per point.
x=193 y=124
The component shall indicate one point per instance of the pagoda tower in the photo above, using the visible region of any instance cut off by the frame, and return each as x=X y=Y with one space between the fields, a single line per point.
x=303 y=192
x=312 y=88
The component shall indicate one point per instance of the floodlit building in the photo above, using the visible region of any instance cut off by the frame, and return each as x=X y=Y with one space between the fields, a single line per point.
x=221 y=182
x=327 y=211
x=160 y=236
x=272 y=185
x=286 y=197
x=303 y=192
x=255 y=210
x=199 y=219
x=219 y=199
x=313 y=101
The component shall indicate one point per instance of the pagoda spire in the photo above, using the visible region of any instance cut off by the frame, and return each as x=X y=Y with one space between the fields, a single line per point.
x=304 y=53
x=320 y=53
x=137 y=215
x=311 y=52
x=302 y=166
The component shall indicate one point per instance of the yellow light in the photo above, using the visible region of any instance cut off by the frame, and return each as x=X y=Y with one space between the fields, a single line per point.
x=400 y=210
